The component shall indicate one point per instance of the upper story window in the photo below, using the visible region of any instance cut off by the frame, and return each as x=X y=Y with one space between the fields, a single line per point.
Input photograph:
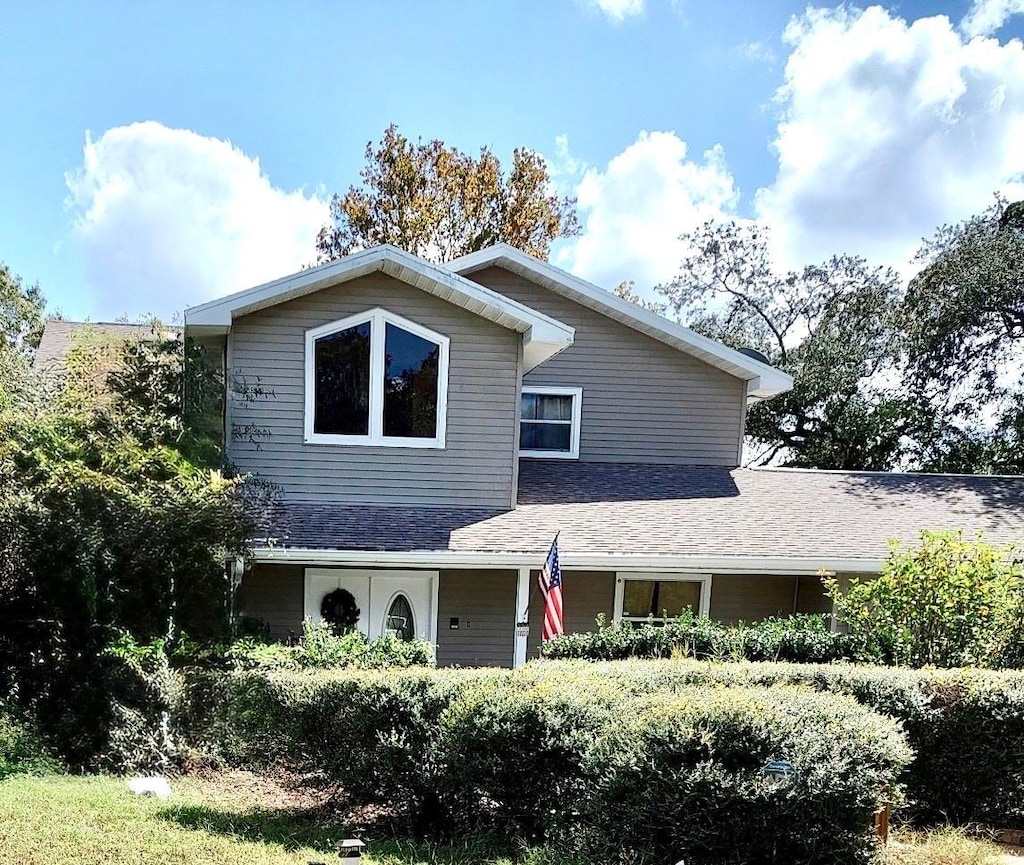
x=376 y=379
x=549 y=422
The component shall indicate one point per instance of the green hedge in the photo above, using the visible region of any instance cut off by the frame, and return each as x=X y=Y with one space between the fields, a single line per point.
x=549 y=752
x=681 y=774
x=803 y=639
x=966 y=727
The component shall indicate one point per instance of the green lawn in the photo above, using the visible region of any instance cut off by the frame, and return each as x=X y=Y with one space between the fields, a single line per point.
x=240 y=819
x=59 y=820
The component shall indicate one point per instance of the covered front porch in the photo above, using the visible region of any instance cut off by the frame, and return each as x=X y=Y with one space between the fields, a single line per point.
x=491 y=615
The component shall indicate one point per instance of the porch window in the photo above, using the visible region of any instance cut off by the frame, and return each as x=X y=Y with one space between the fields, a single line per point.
x=376 y=379
x=549 y=422
x=659 y=597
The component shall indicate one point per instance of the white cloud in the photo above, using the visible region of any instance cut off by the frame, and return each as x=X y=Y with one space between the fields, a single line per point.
x=618 y=10
x=887 y=130
x=758 y=52
x=166 y=218
x=985 y=17
x=634 y=210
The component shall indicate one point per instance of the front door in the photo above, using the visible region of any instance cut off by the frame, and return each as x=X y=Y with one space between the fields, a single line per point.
x=400 y=602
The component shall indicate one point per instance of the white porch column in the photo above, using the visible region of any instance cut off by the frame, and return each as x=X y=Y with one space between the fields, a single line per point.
x=522 y=622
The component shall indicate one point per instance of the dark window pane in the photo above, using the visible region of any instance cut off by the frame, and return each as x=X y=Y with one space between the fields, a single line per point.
x=545 y=436
x=545 y=406
x=554 y=407
x=342 y=382
x=637 y=596
x=658 y=597
x=676 y=596
x=410 y=384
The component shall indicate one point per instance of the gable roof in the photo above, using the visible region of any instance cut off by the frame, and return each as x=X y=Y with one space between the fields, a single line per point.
x=59 y=337
x=543 y=336
x=704 y=517
x=763 y=380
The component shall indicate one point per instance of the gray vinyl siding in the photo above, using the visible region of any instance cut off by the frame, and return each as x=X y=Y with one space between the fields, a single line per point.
x=267 y=350
x=484 y=603
x=273 y=594
x=643 y=401
x=585 y=595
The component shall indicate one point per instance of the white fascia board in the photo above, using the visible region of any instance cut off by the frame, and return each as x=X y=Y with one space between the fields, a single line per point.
x=764 y=380
x=764 y=565
x=543 y=336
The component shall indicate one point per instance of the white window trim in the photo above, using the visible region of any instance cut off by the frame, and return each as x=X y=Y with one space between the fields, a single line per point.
x=378 y=319
x=574 y=434
x=620 y=588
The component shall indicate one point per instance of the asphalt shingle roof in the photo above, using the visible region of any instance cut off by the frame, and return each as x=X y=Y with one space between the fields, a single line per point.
x=679 y=511
x=59 y=336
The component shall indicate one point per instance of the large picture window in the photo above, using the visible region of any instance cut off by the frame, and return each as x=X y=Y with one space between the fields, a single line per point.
x=657 y=597
x=376 y=379
x=549 y=422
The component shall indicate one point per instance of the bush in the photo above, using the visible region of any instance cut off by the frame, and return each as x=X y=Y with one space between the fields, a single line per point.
x=111 y=521
x=680 y=776
x=322 y=648
x=505 y=729
x=21 y=746
x=966 y=727
x=141 y=690
x=799 y=639
x=947 y=602
x=545 y=753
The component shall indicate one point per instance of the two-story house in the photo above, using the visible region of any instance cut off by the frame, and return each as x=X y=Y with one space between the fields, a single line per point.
x=430 y=429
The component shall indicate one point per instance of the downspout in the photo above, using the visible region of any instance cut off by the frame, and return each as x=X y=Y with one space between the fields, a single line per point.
x=743 y=422
x=515 y=436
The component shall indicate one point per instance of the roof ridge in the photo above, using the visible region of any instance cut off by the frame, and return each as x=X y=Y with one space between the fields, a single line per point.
x=812 y=471
x=107 y=323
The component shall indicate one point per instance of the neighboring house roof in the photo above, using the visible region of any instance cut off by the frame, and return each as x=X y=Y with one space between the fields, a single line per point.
x=766 y=520
x=543 y=336
x=763 y=380
x=59 y=337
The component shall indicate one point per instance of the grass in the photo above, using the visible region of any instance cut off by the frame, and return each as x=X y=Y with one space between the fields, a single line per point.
x=942 y=847
x=242 y=819
x=237 y=820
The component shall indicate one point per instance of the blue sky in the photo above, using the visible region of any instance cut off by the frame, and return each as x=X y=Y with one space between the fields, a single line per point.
x=216 y=132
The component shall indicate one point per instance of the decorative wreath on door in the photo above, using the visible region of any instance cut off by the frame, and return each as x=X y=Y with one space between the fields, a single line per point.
x=339 y=610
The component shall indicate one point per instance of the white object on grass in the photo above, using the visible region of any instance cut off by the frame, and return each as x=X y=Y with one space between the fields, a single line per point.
x=152 y=786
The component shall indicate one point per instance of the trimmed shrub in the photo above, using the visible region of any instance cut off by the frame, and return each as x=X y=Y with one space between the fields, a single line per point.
x=545 y=752
x=966 y=727
x=21 y=746
x=501 y=731
x=799 y=639
x=681 y=777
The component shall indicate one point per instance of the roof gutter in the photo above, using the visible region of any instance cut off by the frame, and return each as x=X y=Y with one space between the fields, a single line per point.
x=788 y=566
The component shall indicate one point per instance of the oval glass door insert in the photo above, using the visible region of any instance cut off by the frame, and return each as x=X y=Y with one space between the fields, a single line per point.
x=399 y=620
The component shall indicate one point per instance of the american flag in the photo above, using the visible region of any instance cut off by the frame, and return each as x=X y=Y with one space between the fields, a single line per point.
x=550 y=580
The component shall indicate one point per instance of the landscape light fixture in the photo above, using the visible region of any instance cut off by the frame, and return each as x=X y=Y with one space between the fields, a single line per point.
x=351 y=851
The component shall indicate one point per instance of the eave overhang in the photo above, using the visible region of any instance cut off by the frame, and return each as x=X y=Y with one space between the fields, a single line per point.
x=763 y=381
x=543 y=336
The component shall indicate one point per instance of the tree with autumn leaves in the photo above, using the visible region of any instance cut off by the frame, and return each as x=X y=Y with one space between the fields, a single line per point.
x=437 y=202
